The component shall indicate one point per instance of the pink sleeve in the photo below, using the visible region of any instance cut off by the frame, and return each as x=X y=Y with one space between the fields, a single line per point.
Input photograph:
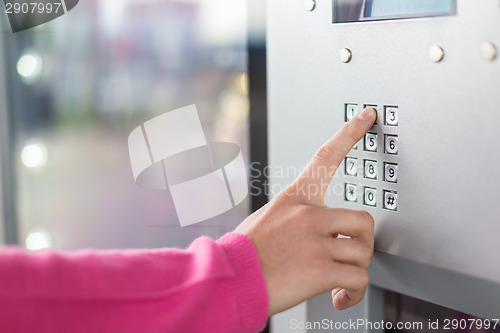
x=210 y=287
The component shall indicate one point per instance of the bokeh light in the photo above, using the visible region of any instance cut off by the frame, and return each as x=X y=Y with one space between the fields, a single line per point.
x=34 y=155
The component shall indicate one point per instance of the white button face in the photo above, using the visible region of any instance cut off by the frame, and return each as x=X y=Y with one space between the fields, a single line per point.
x=371 y=142
x=370 y=169
x=391 y=172
x=391 y=116
x=370 y=196
x=351 y=192
x=391 y=144
x=350 y=111
x=390 y=200
x=351 y=166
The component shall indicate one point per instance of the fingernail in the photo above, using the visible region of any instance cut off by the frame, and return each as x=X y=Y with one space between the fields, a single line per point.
x=367 y=113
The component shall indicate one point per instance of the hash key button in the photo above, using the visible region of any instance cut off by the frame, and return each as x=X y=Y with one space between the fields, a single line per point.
x=390 y=200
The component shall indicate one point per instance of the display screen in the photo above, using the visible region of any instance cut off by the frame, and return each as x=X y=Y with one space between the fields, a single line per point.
x=375 y=10
x=408 y=8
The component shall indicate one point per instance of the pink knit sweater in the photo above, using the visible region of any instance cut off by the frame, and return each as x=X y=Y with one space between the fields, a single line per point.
x=210 y=287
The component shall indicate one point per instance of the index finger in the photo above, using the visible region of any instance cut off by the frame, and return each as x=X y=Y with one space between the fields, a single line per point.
x=319 y=172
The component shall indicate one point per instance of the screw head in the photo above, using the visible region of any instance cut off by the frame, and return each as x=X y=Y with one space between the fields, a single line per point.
x=488 y=51
x=309 y=5
x=345 y=55
x=436 y=53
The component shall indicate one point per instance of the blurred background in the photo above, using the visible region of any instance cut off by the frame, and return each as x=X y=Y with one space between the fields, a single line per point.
x=74 y=88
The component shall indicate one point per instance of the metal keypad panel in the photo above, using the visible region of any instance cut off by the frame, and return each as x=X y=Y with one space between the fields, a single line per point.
x=371 y=167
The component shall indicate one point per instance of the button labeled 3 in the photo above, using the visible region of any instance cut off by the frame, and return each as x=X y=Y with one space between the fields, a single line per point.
x=391 y=116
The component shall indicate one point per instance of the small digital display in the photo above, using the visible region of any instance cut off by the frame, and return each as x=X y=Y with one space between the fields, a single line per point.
x=408 y=8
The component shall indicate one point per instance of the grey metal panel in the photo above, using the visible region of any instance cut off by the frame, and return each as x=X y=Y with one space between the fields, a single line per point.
x=449 y=289
x=448 y=213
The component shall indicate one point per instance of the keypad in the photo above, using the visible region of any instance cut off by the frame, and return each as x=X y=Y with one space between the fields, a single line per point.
x=371 y=168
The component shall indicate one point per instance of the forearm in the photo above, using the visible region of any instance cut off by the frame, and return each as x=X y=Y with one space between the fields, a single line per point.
x=199 y=289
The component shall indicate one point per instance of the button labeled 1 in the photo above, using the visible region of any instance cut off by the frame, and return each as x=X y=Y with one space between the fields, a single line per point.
x=351 y=166
x=391 y=144
x=371 y=142
x=370 y=196
x=350 y=111
x=391 y=172
x=351 y=193
x=391 y=115
x=390 y=200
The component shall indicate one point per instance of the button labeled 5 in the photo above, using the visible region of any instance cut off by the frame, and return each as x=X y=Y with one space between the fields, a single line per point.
x=371 y=142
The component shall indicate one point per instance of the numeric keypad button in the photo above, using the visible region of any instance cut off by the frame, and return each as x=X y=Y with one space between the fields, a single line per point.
x=351 y=110
x=391 y=144
x=370 y=197
x=370 y=169
x=391 y=116
x=351 y=166
x=371 y=142
x=351 y=192
x=391 y=172
x=390 y=200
